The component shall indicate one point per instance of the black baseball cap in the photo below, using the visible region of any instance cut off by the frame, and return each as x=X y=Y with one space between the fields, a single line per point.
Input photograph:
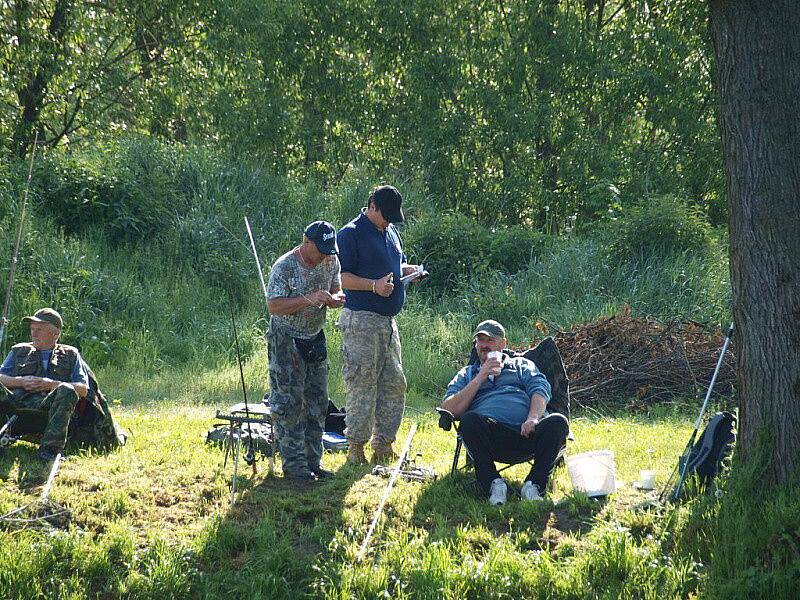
x=388 y=200
x=323 y=234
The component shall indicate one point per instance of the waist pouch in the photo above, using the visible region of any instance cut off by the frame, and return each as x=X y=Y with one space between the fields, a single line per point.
x=314 y=350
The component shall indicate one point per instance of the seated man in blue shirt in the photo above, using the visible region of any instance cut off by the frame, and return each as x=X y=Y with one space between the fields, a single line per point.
x=46 y=376
x=502 y=404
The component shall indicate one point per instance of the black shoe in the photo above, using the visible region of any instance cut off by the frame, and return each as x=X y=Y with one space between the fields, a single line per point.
x=305 y=475
x=322 y=473
x=46 y=454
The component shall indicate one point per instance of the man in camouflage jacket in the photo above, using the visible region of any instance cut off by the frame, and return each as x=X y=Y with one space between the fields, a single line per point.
x=45 y=376
x=303 y=284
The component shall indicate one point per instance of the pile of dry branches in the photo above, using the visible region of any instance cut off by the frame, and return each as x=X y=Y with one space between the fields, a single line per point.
x=622 y=357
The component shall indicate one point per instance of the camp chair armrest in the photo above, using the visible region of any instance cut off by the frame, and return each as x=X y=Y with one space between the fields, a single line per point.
x=446 y=418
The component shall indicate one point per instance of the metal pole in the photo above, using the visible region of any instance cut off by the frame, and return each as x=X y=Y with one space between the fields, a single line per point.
x=52 y=477
x=397 y=468
x=237 y=442
x=8 y=424
x=13 y=268
x=266 y=301
x=677 y=492
x=250 y=457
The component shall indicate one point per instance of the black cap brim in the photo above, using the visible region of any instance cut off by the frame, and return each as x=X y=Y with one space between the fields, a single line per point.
x=330 y=250
x=393 y=215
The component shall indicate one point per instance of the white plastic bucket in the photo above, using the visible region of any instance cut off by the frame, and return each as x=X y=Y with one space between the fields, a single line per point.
x=593 y=472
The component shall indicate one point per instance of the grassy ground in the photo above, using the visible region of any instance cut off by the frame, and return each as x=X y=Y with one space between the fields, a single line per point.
x=154 y=520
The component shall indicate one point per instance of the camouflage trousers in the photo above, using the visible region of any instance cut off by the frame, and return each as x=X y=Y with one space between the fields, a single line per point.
x=372 y=367
x=59 y=406
x=299 y=402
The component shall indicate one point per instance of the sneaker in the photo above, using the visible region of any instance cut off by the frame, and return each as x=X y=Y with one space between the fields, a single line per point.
x=498 y=492
x=303 y=475
x=530 y=492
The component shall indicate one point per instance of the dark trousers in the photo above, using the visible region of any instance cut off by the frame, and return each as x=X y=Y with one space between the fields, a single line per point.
x=488 y=441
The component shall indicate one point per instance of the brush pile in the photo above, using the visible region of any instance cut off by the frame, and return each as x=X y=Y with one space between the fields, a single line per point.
x=644 y=361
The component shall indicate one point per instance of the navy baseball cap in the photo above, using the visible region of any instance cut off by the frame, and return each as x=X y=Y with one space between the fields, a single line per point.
x=323 y=234
x=388 y=200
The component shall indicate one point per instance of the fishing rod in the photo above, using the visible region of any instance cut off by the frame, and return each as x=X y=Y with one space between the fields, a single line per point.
x=250 y=456
x=683 y=462
x=13 y=268
x=42 y=510
x=266 y=301
x=397 y=469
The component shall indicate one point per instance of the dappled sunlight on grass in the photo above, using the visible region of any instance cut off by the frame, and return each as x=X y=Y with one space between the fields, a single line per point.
x=156 y=515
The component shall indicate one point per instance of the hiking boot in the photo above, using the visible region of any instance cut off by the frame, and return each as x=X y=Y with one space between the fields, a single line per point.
x=498 y=492
x=530 y=492
x=355 y=454
x=322 y=473
x=46 y=454
x=382 y=454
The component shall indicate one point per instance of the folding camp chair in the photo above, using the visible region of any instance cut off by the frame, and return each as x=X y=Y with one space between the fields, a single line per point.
x=548 y=360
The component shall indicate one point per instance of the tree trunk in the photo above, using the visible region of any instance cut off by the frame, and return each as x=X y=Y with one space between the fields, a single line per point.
x=758 y=79
x=32 y=94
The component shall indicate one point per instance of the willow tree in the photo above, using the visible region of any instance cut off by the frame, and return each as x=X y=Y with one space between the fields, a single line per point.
x=758 y=78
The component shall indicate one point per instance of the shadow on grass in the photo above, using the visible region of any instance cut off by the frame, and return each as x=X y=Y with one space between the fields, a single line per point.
x=454 y=502
x=267 y=544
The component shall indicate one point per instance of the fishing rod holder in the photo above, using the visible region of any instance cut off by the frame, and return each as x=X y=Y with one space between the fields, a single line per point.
x=239 y=418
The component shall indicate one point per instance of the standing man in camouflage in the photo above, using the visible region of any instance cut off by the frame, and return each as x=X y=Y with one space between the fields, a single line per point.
x=372 y=259
x=47 y=376
x=303 y=283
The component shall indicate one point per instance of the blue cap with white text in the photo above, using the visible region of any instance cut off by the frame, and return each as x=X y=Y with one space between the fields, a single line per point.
x=323 y=234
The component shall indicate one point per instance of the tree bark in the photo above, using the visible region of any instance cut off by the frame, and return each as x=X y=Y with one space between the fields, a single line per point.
x=758 y=79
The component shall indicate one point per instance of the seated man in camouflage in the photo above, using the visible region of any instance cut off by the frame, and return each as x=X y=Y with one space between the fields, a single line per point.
x=46 y=376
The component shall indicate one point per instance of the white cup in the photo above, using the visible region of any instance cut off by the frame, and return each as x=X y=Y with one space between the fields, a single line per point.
x=647 y=479
x=495 y=355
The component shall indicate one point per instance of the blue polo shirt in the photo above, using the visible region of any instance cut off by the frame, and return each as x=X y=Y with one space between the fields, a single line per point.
x=365 y=251
x=507 y=397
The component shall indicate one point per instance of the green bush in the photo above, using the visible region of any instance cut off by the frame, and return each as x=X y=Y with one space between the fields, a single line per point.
x=664 y=225
x=454 y=248
x=128 y=188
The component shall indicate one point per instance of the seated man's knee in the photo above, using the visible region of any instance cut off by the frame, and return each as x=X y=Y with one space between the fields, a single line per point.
x=556 y=424
x=66 y=391
x=470 y=422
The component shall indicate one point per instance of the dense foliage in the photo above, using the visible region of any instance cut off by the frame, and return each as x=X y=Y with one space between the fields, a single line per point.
x=142 y=246
x=539 y=112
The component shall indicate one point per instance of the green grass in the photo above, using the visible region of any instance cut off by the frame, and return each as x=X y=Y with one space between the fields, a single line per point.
x=142 y=250
x=153 y=519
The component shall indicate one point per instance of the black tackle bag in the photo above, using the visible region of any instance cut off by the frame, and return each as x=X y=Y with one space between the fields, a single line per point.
x=712 y=448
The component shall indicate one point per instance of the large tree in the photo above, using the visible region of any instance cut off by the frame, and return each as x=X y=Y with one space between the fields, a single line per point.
x=758 y=77
x=73 y=65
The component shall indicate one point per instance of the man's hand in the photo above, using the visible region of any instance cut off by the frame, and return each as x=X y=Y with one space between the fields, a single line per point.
x=528 y=426
x=38 y=384
x=320 y=298
x=491 y=366
x=384 y=286
x=337 y=300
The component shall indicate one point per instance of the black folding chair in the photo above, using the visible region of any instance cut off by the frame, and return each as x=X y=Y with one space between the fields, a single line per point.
x=548 y=360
